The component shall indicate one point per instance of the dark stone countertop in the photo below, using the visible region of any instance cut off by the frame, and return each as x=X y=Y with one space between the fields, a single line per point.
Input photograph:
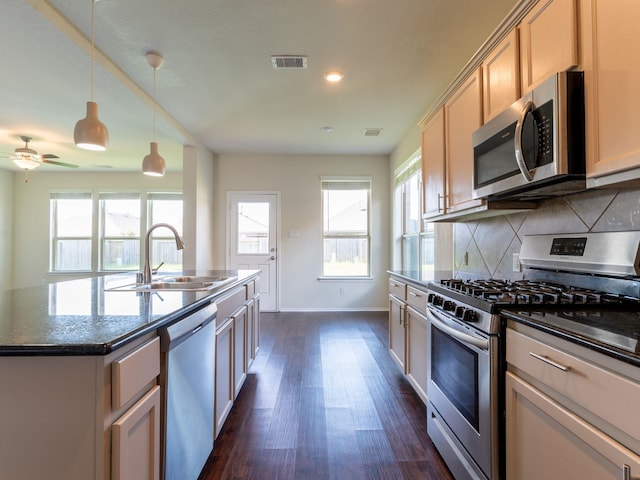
x=613 y=333
x=79 y=317
x=422 y=279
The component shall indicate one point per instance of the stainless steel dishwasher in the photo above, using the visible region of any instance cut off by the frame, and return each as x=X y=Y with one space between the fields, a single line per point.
x=187 y=381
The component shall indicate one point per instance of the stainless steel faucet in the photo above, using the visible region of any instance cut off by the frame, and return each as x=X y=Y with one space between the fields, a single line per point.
x=146 y=272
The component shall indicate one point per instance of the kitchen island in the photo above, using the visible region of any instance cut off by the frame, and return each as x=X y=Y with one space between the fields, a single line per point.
x=80 y=369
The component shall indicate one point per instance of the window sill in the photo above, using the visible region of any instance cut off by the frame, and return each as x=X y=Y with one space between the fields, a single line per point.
x=345 y=279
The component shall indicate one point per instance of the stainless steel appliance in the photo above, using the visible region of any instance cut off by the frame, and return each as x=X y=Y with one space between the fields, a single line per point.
x=569 y=276
x=187 y=381
x=536 y=147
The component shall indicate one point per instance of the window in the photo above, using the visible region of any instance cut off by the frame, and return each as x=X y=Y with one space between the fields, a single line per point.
x=111 y=240
x=345 y=227
x=165 y=208
x=120 y=228
x=71 y=231
x=414 y=239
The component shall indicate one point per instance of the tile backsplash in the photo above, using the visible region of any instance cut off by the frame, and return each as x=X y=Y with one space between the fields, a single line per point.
x=484 y=248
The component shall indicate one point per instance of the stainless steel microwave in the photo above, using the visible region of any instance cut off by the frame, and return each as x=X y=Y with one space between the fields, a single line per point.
x=536 y=148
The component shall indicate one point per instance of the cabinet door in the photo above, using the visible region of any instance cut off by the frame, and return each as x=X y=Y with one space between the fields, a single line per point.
x=136 y=440
x=417 y=351
x=239 y=350
x=548 y=41
x=463 y=115
x=501 y=77
x=433 y=169
x=224 y=373
x=249 y=350
x=538 y=429
x=397 y=331
x=609 y=33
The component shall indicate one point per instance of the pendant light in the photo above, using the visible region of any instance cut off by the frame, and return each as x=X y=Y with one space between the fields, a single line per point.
x=90 y=133
x=153 y=164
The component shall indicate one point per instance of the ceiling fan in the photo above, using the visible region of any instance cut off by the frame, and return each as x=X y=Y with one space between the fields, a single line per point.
x=27 y=159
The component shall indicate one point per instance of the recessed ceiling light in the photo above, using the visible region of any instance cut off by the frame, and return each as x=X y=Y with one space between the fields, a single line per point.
x=334 y=77
x=327 y=129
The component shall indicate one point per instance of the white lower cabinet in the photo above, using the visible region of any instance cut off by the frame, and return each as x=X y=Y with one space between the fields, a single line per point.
x=397 y=331
x=408 y=333
x=416 y=366
x=567 y=417
x=224 y=380
x=239 y=349
x=135 y=440
x=545 y=440
x=82 y=417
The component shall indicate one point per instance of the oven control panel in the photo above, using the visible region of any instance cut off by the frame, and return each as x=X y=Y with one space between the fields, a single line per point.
x=460 y=311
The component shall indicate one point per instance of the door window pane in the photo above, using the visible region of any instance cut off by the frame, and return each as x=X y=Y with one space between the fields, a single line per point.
x=253 y=228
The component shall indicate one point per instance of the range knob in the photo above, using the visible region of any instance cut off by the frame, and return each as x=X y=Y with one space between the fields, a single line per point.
x=437 y=300
x=460 y=311
x=449 y=306
x=469 y=316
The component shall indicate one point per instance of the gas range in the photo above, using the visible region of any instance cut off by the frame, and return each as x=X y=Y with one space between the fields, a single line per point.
x=580 y=284
x=600 y=272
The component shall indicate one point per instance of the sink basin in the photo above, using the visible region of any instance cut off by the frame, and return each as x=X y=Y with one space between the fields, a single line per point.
x=195 y=283
x=198 y=279
x=184 y=286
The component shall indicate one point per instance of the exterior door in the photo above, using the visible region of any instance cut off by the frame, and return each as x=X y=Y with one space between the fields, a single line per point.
x=253 y=240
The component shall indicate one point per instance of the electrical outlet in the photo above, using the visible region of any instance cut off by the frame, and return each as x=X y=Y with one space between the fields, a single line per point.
x=341 y=290
x=466 y=258
x=516 y=262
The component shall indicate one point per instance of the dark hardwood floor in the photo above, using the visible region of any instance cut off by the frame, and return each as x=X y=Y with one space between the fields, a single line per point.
x=324 y=400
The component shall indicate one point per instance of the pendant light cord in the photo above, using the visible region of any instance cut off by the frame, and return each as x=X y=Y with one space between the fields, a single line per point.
x=154 y=103
x=93 y=4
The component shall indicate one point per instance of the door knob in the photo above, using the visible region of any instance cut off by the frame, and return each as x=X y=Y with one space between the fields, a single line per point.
x=272 y=257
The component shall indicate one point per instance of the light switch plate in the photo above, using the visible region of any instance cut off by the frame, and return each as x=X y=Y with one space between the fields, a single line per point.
x=294 y=233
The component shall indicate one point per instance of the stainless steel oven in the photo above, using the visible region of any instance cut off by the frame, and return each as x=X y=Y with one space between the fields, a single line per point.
x=463 y=383
x=572 y=277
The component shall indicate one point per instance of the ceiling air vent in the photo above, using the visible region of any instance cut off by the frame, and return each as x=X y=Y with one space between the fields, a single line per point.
x=372 y=132
x=288 y=61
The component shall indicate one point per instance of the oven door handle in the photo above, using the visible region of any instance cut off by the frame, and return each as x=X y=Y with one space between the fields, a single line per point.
x=463 y=337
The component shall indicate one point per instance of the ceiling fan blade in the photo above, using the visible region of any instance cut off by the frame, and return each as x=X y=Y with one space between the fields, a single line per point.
x=60 y=164
x=50 y=155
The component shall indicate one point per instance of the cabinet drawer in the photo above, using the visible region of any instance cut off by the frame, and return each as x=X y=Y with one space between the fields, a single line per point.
x=603 y=393
x=251 y=289
x=417 y=299
x=129 y=374
x=230 y=303
x=397 y=288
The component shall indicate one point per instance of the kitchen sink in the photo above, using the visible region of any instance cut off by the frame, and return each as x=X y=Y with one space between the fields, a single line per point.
x=183 y=283
x=197 y=279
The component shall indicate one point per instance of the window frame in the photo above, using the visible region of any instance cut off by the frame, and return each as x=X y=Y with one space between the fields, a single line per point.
x=355 y=181
x=53 y=232
x=102 y=236
x=426 y=231
x=97 y=237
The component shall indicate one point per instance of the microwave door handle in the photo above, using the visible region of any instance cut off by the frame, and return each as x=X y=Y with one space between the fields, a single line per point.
x=522 y=165
x=463 y=337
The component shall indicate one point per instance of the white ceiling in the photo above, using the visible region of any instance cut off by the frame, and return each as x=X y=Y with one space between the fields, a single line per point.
x=217 y=85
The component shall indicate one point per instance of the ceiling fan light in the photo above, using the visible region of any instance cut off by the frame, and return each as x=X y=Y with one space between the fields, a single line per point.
x=90 y=133
x=153 y=164
x=25 y=162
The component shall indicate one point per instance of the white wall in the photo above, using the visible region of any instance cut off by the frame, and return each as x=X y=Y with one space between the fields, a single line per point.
x=297 y=178
x=31 y=213
x=6 y=229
